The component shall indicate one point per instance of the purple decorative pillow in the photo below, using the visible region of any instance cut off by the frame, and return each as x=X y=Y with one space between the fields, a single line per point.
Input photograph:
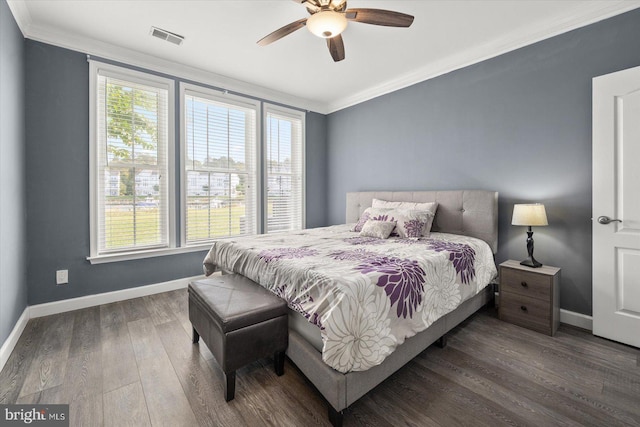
x=374 y=214
x=413 y=223
x=378 y=229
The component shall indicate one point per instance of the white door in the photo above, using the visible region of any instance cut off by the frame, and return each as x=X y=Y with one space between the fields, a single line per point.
x=616 y=196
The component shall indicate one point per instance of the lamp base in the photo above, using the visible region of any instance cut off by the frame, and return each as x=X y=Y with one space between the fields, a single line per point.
x=531 y=262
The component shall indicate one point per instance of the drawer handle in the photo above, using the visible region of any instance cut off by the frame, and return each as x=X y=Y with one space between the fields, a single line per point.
x=523 y=307
x=524 y=284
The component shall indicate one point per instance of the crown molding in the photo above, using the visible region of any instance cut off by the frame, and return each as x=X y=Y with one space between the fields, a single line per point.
x=21 y=14
x=588 y=14
x=128 y=56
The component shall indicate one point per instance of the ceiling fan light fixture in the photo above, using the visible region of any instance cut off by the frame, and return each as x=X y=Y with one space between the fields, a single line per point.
x=327 y=24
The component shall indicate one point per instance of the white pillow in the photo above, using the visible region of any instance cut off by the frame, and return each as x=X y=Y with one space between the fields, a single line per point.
x=379 y=229
x=427 y=206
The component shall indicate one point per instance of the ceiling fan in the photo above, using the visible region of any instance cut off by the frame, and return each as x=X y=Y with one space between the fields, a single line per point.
x=329 y=18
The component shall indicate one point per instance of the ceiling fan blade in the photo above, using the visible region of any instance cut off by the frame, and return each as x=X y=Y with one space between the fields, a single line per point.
x=336 y=48
x=387 y=18
x=281 y=32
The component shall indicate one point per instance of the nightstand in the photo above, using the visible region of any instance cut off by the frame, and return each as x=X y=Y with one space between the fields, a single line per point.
x=530 y=297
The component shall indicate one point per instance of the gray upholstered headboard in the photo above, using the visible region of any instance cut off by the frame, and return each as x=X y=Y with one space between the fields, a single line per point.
x=468 y=212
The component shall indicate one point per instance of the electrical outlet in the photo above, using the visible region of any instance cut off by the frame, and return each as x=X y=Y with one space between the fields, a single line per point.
x=62 y=277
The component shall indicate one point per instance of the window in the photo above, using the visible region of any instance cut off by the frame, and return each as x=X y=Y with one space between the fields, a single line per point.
x=235 y=177
x=284 y=168
x=219 y=168
x=131 y=150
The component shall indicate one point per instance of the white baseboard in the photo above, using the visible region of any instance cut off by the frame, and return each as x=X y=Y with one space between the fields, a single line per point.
x=576 y=319
x=56 y=307
x=11 y=341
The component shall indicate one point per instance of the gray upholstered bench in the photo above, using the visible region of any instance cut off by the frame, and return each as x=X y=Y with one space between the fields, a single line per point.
x=240 y=322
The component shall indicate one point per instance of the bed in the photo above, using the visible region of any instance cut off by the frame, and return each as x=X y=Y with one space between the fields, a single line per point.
x=321 y=273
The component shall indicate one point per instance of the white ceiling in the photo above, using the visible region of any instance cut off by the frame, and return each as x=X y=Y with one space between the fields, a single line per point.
x=220 y=41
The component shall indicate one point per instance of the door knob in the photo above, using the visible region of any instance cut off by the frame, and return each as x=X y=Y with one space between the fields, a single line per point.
x=607 y=220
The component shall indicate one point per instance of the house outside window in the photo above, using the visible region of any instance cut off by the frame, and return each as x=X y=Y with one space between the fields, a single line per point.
x=219 y=152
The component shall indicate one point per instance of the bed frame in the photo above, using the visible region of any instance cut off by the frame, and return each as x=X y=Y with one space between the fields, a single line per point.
x=467 y=212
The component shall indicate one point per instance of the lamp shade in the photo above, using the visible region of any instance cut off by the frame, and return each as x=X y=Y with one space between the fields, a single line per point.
x=327 y=24
x=529 y=215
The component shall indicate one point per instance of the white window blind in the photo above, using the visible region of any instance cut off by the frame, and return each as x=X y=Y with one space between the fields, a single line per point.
x=130 y=169
x=220 y=176
x=284 y=165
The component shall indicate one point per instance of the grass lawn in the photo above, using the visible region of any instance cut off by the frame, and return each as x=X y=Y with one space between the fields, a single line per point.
x=203 y=224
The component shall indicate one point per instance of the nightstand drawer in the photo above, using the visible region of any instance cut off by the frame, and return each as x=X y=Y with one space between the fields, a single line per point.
x=526 y=283
x=525 y=311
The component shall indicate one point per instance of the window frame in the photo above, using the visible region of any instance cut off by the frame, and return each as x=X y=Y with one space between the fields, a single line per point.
x=295 y=115
x=176 y=181
x=220 y=96
x=97 y=68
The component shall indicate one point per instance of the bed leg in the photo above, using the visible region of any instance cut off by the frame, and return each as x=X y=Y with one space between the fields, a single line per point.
x=442 y=341
x=195 y=336
x=335 y=417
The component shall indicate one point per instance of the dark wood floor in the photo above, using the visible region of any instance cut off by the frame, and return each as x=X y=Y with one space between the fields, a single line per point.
x=132 y=363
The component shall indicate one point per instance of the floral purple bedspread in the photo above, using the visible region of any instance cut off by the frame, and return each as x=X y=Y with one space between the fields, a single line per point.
x=366 y=295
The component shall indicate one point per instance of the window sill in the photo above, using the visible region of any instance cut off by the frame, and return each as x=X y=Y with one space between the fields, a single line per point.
x=153 y=253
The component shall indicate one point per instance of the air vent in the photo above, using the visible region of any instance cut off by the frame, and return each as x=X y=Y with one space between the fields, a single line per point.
x=166 y=35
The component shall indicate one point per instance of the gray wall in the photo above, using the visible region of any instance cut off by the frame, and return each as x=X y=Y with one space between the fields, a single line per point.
x=58 y=185
x=519 y=124
x=316 y=170
x=13 y=278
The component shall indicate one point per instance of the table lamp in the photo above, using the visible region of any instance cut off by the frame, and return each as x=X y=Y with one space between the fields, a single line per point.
x=529 y=215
